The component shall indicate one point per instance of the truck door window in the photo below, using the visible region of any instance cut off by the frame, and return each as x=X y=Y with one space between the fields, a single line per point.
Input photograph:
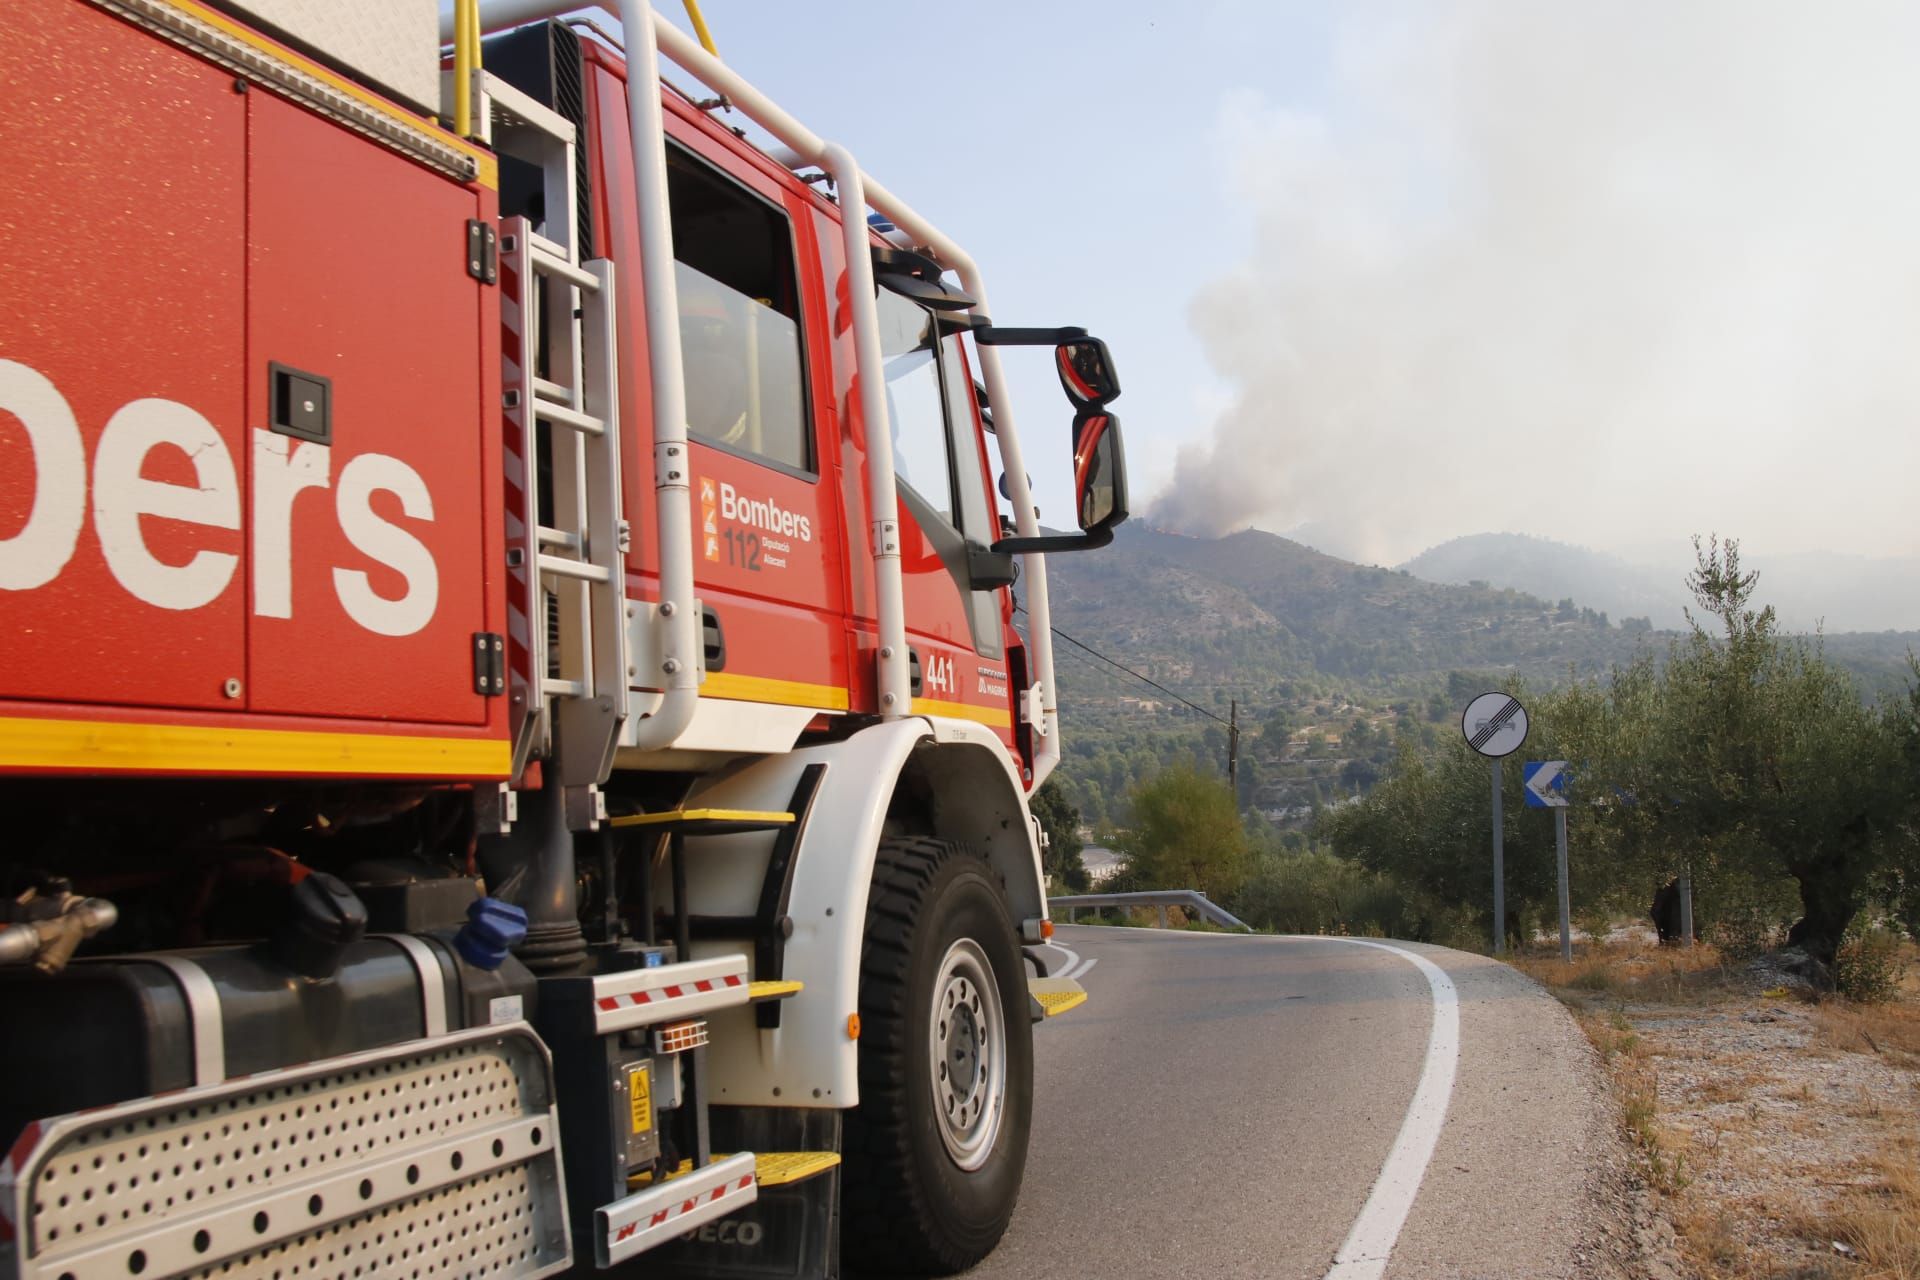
x=915 y=410
x=739 y=318
x=976 y=508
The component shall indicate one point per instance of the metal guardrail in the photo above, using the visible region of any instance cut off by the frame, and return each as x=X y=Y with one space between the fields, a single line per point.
x=1190 y=900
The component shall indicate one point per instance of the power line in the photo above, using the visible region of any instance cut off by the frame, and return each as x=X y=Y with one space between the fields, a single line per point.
x=1146 y=680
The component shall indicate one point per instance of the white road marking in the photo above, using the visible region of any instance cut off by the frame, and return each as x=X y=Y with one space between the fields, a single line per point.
x=1075 y=965
x=1073 y=959
x=1364 y=1254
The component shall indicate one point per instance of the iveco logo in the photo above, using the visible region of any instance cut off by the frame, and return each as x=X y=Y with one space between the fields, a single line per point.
x=727 y=1231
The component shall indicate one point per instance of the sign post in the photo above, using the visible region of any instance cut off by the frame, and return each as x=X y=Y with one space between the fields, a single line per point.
x=1546 y=784
x=1495 y=724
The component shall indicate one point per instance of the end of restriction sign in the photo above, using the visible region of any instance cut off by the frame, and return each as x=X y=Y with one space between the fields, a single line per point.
x=1494 y=724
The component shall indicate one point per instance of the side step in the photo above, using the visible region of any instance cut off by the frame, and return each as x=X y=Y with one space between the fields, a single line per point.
x=1052 y=997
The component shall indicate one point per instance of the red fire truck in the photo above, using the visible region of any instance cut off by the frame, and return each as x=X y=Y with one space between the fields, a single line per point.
x=513 y=733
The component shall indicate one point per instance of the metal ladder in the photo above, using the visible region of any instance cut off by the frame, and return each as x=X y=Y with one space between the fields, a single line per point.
x=566 y=537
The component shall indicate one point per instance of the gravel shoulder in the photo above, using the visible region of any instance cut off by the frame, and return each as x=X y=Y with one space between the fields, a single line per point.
x=1778 y=1137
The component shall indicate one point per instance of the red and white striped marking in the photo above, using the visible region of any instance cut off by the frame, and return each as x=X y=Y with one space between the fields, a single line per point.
x=640 y=999
x=651 y=1217
x=668 y=993
x=661 y=1217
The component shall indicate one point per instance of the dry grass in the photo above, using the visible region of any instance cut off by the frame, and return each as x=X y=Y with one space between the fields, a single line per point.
x=1890 y=1030
x=1780 y=1132
x=1660 y=1152
x=1633 y=971
x=1879 y=1220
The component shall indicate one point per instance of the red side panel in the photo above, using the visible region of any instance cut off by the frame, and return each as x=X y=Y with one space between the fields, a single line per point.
x=122 y=234
x=368 y=604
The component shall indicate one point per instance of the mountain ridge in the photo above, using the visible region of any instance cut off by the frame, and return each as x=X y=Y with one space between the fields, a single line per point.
x=1252 y=608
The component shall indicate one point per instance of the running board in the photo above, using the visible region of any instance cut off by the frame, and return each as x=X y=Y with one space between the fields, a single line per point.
x=1051 y=997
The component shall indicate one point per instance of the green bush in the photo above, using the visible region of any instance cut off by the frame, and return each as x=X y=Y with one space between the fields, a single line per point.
x=1322 y=893
x=1868 y=966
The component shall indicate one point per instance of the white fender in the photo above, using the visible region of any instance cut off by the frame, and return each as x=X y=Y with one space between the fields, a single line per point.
x=811 y=1060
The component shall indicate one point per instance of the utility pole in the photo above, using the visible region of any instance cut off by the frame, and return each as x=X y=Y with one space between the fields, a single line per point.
x=1233 y=749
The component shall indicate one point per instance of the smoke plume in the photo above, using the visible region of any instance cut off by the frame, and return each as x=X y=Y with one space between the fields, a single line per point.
x=1607 y=272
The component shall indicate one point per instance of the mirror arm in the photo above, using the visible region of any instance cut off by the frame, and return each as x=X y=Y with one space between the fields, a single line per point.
x=988 y=335
x=1048 y=543
x=989 y=568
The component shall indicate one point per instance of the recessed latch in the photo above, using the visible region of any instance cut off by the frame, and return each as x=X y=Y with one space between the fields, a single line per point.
x=483 y=251
x=489 y=664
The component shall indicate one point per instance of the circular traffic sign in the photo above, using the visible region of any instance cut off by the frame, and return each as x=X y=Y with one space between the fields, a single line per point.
x=1494 y=724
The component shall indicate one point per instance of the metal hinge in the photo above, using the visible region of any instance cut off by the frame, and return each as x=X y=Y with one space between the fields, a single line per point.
x=483 y=251
x=489 y=664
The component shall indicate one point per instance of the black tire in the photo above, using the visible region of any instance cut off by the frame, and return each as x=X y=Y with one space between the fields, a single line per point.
x=911 y=1207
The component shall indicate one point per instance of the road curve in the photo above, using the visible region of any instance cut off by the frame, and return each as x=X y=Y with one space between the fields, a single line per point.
x=1224 y=1106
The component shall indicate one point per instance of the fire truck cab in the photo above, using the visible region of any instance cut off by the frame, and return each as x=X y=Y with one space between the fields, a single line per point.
x=513 y=729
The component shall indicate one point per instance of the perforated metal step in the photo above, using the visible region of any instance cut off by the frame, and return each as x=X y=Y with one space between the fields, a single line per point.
x=780 y=1168
x=434 y=1158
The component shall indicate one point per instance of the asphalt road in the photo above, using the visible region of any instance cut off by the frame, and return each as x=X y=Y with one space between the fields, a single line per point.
x=1225 y=1106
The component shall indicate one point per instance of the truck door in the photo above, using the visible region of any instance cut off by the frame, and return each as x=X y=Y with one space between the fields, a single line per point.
x=957 y=633
x=769 y=552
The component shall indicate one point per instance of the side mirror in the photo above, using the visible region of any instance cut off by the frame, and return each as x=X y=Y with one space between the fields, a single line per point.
x=1099 y=489
x=1083 y=361
x=1086 y=372
x=1099 y=470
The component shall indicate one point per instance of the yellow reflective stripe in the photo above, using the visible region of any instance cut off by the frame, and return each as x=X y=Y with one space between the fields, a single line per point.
x=487 y=166
x=109 y=745
x=998 y=717
x=792 y=693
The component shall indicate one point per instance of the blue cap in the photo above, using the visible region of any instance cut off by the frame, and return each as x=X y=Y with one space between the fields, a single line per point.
x=493 y=928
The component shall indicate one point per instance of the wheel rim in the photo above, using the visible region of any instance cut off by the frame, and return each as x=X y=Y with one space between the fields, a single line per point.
x=967 y=1065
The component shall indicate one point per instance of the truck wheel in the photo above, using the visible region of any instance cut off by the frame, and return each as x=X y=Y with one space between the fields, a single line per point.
x=937 y=1147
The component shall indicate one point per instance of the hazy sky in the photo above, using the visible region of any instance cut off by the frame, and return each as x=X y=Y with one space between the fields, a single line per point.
x=1391 y=273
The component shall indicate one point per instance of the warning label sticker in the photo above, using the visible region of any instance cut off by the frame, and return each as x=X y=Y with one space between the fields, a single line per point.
x=640 y=1094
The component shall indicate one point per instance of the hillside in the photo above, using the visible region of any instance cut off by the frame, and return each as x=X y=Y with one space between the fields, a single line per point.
x=1253 y=607
x=1329 y=661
